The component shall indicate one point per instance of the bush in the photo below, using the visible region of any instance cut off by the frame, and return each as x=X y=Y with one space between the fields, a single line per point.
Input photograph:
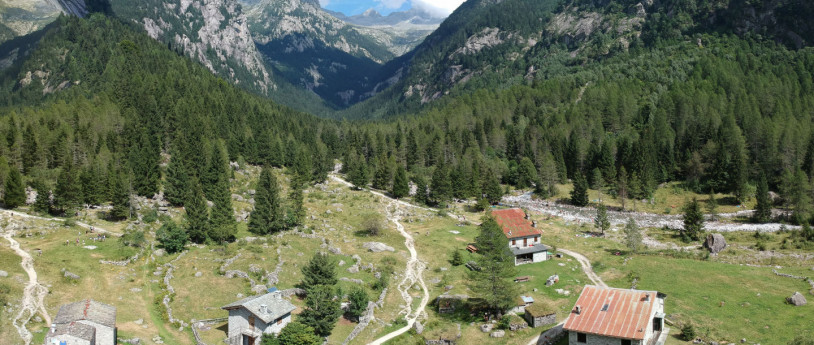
x=150 y=216
x=457 y=258
x=688 y=332
x=358 y=302
x=172 y=237
x=373 y=224
x=133 y=238
x=504 y=322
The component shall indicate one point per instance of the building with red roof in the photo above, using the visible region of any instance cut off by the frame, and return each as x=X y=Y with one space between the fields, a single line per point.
x=617 y=316
x=523 y=234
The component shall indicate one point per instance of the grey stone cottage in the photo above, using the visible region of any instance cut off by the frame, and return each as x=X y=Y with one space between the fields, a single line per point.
x=251 y=317
x=85 y=322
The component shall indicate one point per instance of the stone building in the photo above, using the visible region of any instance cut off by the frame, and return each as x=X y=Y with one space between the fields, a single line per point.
x=85 y=322
x=251 y=317
x=605 y=316
x=540 y=314
x=523 y=235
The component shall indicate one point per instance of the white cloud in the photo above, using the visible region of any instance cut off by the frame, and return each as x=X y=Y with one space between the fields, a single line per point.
x=391 y=4
x=324 y=3
x=438 y=8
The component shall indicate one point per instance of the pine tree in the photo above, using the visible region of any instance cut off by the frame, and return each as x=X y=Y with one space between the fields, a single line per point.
x=492 y=283
x=548 y=176
x=92 y=184
x=296 y=210
x=712 y=206
x=440 y=188
x=322 y=310
x=358 y=301
x=176 y=186
x=763 y=210
x=295 y=333
x=216 y=171
x=31 y=150
x=597 y=182
x=68 y=194
x=579 y=195
x=401 y=186
x=197 y=214
x=492 y=189
x=303 y=168
x=633 y=236
x=693 y=221
x=457 y=258
x=144 y=160
x=383 y=174
x=621 y=186
x=14 y=195
x=421 y=195
x=601 y=221
x=43 y=202
x=320 y=271
x=526 y=173
x=222 y=216
x=267 y=216
x=357 y=171
x=120 y=196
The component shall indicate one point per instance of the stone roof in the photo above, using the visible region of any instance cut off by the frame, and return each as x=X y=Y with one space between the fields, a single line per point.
x=275 y=306
x=88 y=310
x=74 y=329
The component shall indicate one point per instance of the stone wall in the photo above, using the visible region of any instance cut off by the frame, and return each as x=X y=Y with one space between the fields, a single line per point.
x=593 y=339
x=540 y=320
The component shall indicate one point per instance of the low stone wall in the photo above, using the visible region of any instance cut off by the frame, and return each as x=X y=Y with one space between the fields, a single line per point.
x=540 y=320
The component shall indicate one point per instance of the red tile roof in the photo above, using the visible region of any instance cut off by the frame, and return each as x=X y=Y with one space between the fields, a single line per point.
x=514 y=223
x=627 y=314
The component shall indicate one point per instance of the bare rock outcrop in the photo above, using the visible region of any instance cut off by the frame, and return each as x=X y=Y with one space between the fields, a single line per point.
x=797 y=299
x=715 y=243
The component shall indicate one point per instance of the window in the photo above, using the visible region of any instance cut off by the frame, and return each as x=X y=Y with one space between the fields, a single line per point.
x=525 y=242
x=280 y=321
x=514 y=242
x=625 y=341
x=582 y=338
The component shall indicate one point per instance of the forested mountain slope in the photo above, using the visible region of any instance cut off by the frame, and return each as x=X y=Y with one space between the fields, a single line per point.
x=98 y=105
x=495 y=44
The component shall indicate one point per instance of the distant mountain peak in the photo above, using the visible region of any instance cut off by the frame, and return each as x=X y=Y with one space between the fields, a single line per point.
x=371 y=13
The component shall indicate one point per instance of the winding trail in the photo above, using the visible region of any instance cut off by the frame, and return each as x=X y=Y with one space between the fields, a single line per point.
x=586 y=267
x=414 y=272
x=80 y=224
x=33 y=293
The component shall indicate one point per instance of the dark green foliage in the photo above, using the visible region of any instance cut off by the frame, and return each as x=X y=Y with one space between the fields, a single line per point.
x=296 y=210
x=120 y=196
x=693 y=221
x=763 y=209
x=321 y=310
x=93 y=186
x=457 y=258
x=401 y=187
x=421 y=192
x=31 y=150
x=440 y=188
x=270 y=339
x=712 y=206
x=197 y=214
x=383 y=174
x=176 y=185
x=68 y=193
x=144 y=159
x=320 y=271
x=133 y=238
x=14 y=194
x=358 y=300
x=43 y=202
x=688 y=332
x=579 y=195
x=802 y=340
x=172 y=237
x=357 y=170
x=633 y=236
x=601 y=220
x=492 y=190
x=493 y=282
x=267 y=216
x=296 y=333
x=222 y=216
x=526 y=173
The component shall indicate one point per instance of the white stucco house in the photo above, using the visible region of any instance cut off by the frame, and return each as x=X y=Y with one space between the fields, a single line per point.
x=610 y=316
x=523 y=235
x=251 y=317
x=85 y=322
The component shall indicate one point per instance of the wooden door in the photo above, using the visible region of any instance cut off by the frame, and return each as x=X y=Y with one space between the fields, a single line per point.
x=526 y=242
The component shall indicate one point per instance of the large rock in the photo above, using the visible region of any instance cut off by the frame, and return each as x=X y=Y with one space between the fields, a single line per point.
x=486 y=327
x=418 y=327
x=3 y=274
x=377 y=247
x=797 y=299
x=715 y=243
x=70 y=275
x=498 y=334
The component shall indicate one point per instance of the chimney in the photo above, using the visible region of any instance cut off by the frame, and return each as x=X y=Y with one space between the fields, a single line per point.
x=263 y=309
x=533 y=223
x=578 y=309
x=647 y=297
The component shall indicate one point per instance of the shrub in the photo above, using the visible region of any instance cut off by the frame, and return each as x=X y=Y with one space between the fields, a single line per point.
x=688 y=332
x=504 y=322
x=373 y=224
x=150 y=216
x=457 y=258
x=133 y=238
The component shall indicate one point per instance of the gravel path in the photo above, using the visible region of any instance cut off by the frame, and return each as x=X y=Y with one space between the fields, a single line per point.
x=83 y=225
x=33 y=293
x=644 y=220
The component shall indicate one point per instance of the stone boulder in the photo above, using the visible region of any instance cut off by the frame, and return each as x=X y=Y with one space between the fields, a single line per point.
x=259 y=289
x=486 y=327
x=796 y=299
x=715 y=243
x=377 y=247
x=71 y=276
x=418 y=327
x=498 y=334
x=3 y=274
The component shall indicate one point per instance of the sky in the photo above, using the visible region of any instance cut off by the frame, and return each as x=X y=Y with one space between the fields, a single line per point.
x=438 y=8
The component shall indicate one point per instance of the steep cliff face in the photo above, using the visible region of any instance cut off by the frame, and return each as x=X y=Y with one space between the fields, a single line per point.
x=71 y=7
x=214 y=32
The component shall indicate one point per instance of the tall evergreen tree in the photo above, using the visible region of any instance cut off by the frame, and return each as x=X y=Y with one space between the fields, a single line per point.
x=383 y=174
x=14 y=195
x=31 y=150
x=322 y=310
x=144 y=160
x=43 y=202
x=216 y=171
x=526 y=173
x=401 y=186
x=358 y=302
x=267 y=216
x=92 y=186
x=693 y=221
x=579 y=195
x=492 y=189
x=621 y=186
x=601 y=221
x=197 y=214
x=296 y=208
x=320 y=271
x=222 y=216
x=763 y=209
x=633 y=236
x=493 y=281
x=440 y=188
x=712 y=206
x=176 y=185
x=120 y=196
x=357 y=170
x=68 y=193
x=421 y=195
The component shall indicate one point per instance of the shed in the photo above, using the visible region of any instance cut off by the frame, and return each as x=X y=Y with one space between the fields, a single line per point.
x=540 y=314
